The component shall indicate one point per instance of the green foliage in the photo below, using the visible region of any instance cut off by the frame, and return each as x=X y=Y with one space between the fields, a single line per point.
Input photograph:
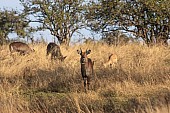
x=117 y=38
x=150 y=18
x=62 y=19
x=11 y=21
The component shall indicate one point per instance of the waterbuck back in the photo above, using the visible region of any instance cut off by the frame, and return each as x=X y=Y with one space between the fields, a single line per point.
x=55 y=51
x=86 y=67
x=112 y=60
x=20 y=47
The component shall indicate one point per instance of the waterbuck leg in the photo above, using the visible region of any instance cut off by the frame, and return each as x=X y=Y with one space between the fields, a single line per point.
x=88 y=83
x=85 y=82
x=52 y=57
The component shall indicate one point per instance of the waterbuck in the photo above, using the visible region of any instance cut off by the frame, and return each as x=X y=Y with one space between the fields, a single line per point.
x=86 y=67
x=112 y=60
x=20 y=47
x=55 y=51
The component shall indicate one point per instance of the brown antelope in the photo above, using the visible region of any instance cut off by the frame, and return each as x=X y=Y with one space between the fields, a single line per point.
x=112 y=60
x=20 y=47
x=55 y=51
x=86 y=67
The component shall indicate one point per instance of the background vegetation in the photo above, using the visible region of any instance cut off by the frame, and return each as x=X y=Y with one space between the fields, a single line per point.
x=145 y=19
x=139 y=82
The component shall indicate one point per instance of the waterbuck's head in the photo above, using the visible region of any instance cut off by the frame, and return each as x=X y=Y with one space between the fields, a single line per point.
x=62 y=58
x=84 y=58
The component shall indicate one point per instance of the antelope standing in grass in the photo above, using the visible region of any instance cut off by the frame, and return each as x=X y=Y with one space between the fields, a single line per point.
x=112 y=60
x=86 y=68
x=55 y=51
x=20 y=47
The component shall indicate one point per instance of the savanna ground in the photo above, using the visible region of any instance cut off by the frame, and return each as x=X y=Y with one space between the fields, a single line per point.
x=140 y=82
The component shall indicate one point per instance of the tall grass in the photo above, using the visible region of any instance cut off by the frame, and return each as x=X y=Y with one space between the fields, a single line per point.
x=139 y=82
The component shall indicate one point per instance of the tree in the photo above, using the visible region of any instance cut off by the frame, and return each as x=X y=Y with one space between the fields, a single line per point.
x=61 y=17
x=117 y=38
x=11 y=21
x=147 y=19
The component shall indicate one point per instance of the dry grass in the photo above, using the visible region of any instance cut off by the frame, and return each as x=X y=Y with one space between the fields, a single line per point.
x=140 y=82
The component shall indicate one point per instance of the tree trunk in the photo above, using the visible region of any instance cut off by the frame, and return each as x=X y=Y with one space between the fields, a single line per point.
x=64 y=40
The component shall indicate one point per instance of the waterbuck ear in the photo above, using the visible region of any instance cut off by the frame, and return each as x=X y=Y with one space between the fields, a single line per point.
x=64 y=57
x=78 y=51
x=88 y=51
